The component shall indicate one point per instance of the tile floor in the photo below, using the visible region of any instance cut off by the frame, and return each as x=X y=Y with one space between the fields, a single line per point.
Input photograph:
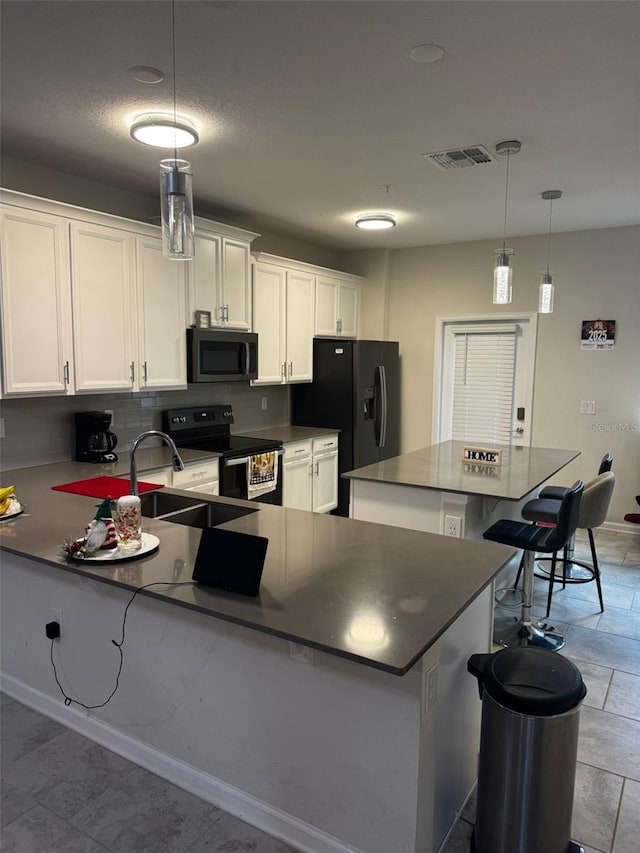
x=62 y=792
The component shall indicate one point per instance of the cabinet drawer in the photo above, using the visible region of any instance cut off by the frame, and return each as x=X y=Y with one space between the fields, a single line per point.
x=325 y=444
x=203 y=472
x=159 y=476
x=297 y=450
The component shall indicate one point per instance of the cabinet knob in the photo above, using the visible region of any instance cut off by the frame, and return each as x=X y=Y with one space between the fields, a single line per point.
x=132 y=372
x=144 y=370
x=66 y=373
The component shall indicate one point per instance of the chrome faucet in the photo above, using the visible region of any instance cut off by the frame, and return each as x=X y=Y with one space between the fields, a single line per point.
x=178 y=464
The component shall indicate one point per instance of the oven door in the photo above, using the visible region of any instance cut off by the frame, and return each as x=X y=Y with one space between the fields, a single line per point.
x=233 y=480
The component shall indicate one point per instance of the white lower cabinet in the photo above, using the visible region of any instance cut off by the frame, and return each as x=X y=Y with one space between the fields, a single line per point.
x=159 y=476
x=325 y=473
x=310 y=474
x=297 y=475
x=201 y=477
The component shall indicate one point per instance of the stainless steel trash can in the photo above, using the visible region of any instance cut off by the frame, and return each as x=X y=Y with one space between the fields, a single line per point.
x=531 y=701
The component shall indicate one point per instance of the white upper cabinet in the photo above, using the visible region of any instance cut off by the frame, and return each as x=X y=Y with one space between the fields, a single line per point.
x=162 y=317
x=89 y=303
x=36 y=303
x=283 y=318
x=104 y=307
x=337 y=306
x=220 y=276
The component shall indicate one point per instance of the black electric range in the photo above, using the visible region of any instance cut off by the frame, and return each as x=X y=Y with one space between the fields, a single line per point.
x=208 y=428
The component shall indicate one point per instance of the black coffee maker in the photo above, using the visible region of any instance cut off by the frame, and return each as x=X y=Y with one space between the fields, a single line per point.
x=94 y=442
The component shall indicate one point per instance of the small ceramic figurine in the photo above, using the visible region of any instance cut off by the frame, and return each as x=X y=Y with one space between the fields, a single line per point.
x=100 y=534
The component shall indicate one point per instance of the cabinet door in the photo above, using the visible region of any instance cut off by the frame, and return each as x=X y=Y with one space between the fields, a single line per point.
x=326 y=306
x=269 y=288
x=325 y=482
x=102 y=263
x=296 y=484
x=299 y=352
x=235 y=293
x=162 y=317
x=348 y=305
x=36 y=303
x=204 y=277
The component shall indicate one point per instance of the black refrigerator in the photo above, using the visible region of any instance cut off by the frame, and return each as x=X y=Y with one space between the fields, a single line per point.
x=355 y=389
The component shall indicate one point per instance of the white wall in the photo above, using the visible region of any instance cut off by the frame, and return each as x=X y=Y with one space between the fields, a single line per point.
x=596 y=275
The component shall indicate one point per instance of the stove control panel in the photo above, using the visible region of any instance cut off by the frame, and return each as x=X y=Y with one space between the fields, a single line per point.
x=196 y=418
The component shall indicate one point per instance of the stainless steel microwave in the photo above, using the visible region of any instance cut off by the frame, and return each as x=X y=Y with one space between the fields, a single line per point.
x=217 y=356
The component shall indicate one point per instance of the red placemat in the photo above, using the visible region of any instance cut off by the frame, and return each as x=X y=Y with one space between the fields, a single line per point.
x=104 y=487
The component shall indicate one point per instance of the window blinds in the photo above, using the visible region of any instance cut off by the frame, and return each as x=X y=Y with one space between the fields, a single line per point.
x=484 y=375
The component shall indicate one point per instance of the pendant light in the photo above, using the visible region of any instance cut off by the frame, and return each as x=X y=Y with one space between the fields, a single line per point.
x=176 y=193
x=545 y=301
x=502 y=273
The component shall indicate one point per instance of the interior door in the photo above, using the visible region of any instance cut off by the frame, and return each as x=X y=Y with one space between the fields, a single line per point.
x=484 y=379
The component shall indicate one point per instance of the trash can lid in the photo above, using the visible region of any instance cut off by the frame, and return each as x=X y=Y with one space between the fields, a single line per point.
x=533 y=681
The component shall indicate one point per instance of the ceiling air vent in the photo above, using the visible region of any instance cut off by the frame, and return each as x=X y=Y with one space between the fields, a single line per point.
x=460 y=158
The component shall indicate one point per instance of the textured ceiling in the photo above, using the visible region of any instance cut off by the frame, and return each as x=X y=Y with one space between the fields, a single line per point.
x=306 y=110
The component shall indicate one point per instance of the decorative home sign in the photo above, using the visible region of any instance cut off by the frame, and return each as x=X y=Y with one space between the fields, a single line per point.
x=202 y=319
x=482 y=455
x=598 y=334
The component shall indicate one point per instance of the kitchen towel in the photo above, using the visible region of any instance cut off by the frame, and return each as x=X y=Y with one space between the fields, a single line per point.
x=262 y=474
x=104 y=487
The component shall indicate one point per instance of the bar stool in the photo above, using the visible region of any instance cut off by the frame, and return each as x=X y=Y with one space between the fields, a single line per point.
x=533 y=538
x=557 y=493
x=594 y=506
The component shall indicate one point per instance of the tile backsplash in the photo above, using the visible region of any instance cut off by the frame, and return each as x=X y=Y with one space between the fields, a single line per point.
x=40 y=430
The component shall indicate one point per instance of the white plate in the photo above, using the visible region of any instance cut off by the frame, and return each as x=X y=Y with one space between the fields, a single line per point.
x=149 y=543
x=15 y=509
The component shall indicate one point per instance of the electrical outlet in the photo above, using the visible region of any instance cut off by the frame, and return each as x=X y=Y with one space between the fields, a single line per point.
x=56 y=616
x=431 y=688
x=265 y=403
x=587 y=407
x=453 y=526
x=303 y=654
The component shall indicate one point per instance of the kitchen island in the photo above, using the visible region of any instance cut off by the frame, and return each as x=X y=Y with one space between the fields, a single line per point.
x=333 y=710
x=434 y=488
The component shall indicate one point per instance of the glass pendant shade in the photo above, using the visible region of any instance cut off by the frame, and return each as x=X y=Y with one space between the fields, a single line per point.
x=545 y=301
x=176 y=204
x=502 y=277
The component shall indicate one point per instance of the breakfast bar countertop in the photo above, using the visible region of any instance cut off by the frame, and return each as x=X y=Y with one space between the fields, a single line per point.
x=441 y=467
x=328 y=582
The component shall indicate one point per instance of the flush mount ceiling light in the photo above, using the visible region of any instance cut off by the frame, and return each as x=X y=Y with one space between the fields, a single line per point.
x=375 y=221
x=545 y=301
x=426 y=53
x=163 y=131
x=502 y=274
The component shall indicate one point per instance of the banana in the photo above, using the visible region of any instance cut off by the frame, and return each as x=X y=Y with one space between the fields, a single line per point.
x=4 y=505
x=6 y=492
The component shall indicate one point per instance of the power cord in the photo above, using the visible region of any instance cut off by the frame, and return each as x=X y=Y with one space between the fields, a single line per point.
x=67 y=699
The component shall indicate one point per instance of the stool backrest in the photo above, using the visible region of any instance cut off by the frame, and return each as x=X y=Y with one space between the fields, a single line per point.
x=568 y=516
x=605 y=464
x=596 y=498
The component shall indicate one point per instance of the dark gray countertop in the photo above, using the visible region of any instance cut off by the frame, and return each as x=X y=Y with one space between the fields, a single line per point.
x=288 y=434
x=441 y=467
x=374 y=594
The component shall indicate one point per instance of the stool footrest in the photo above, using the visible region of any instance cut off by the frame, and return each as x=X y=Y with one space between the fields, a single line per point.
x=513 y=632
x=568 y=577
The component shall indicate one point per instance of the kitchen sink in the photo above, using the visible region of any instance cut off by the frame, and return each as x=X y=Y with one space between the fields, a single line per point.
x=193 y=512
x=155 y=504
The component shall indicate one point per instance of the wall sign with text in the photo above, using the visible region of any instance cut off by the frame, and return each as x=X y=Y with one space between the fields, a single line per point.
x=598 y=334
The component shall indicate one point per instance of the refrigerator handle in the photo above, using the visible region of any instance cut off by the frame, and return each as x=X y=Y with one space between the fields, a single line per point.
x=381 y=413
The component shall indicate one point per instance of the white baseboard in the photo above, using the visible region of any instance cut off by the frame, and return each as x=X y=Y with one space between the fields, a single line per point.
x=622 y=527
x=279 y=824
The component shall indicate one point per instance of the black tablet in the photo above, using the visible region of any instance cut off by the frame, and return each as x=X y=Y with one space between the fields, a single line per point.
x=230 y=560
